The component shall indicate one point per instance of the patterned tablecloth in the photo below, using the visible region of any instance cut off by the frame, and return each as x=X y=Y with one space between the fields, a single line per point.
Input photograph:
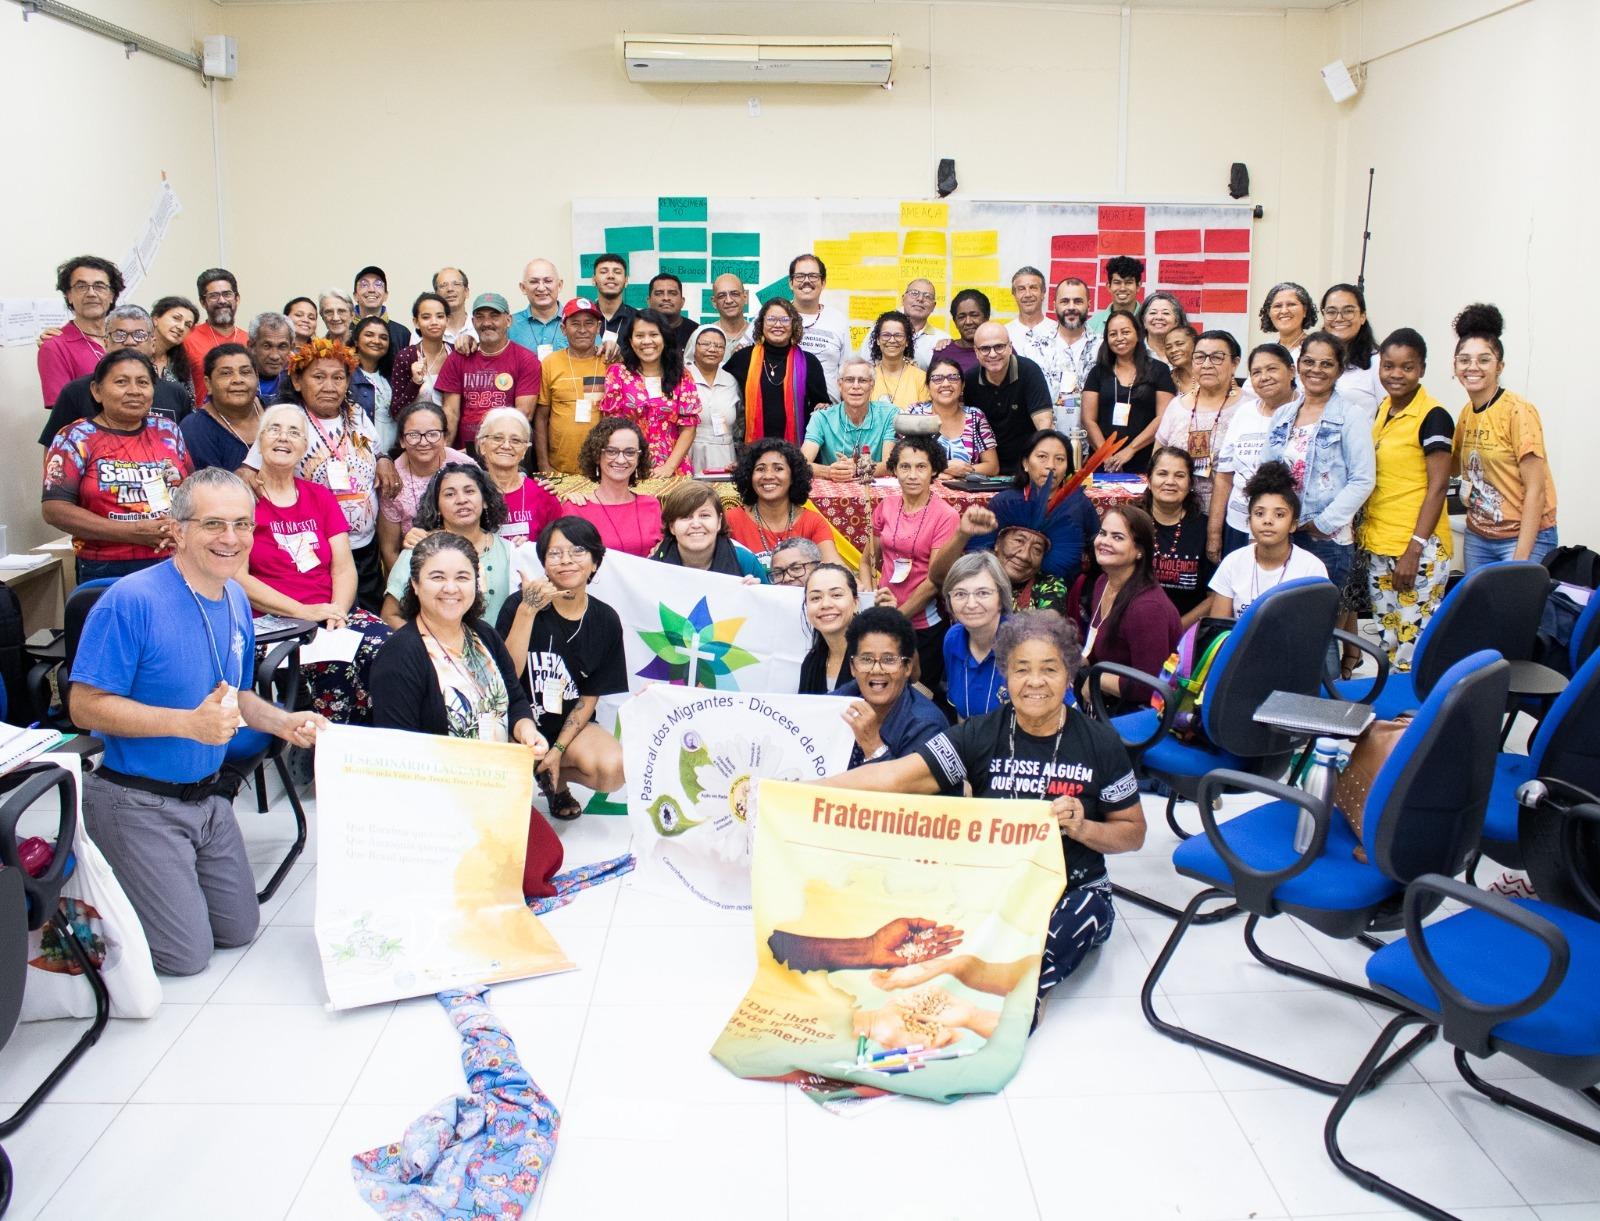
x=845 y=504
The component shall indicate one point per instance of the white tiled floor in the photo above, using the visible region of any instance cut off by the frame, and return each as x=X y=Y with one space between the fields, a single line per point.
x=245 y=1098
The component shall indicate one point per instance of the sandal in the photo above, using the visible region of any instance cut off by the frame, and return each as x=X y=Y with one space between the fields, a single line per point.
x=563 y=805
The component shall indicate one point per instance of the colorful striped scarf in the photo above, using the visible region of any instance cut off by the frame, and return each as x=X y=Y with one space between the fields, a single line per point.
x=794 y=395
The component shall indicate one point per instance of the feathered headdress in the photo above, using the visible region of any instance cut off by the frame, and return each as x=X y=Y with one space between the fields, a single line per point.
x=1043 y=511
x=321 y=348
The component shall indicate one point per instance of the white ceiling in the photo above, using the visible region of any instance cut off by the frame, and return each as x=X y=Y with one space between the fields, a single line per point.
x=1236 y=6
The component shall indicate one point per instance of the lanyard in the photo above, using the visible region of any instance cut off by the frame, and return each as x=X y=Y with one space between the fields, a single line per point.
x=333 y=450
x=459 y=666
x=211 y=636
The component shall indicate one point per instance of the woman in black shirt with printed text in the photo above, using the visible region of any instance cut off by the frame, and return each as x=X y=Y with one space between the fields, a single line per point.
x=1182 y=566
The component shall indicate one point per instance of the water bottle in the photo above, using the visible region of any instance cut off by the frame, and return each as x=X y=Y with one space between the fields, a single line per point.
x=1068 y=411
x=1319 y=781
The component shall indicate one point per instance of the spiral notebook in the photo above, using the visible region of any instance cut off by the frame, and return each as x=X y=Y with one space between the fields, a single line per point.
x=18 y=745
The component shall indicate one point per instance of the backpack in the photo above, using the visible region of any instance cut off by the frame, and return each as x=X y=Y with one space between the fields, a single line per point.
x=14 y=660
x=1575 y=566
x=1186 y=671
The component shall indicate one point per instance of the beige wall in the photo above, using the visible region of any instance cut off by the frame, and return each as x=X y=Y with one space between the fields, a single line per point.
x=90 y=133
x=1480 y=137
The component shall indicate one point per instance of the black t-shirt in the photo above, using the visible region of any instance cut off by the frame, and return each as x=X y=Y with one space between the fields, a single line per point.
x=1139 y=401
x=76 y=403
x=572 y=659
x=1088 y=763
x=1010 y=407
x=775 y=363
x=1181 y=563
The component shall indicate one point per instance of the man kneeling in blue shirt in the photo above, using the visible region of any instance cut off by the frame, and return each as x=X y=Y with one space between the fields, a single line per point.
x=163 y=675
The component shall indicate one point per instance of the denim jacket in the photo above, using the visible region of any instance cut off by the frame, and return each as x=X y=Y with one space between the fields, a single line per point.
x=1341 y=470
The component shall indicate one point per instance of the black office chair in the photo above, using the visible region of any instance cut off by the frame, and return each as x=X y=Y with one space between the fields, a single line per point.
x=55 y=659
x=13 y=974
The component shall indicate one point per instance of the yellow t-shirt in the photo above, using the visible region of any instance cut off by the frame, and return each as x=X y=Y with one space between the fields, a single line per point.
x=1400 y=448
x=1489 y=445
x=905 y=389
x=571 y=389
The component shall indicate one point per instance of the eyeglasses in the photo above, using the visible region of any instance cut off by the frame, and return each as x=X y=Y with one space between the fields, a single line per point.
x=888 y=663
x=217 y=525
x=961 y=597
x=919 y=295
x=130 y=336
x=223 y=296
x=370 y=283
x=554 y=556
x=727 y=295
x=611 y=453
x=805 y=277
x=1309 y=362
x=429 y=436
x=781 y=320
x=1341 y=313
x=795 y=572
x=1485 y=361
x=494 y=440
x=1210 y=358
x=292 y=431
x=97 y=288
x=855 y=381
x=943 y=379
x=993 y=349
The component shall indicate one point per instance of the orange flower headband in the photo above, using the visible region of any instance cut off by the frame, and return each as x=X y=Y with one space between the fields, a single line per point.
x=321 y=349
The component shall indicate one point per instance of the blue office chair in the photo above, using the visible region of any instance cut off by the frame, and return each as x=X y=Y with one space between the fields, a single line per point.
x=1566 y=747
x=1585 y=635
x=1497 y=607
x=1516 y=976
x=1277 y=645
x=1423 y=815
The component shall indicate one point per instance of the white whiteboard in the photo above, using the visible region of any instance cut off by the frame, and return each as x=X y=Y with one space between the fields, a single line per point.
x=872 y=247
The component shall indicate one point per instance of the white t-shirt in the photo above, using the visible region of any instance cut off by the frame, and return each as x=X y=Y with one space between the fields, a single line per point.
x=1240 y=578
x=827 y=337
x=1240 y=454
x=1361 y=387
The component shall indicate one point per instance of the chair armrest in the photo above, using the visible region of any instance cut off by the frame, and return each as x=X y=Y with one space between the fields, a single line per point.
x=1467 y=1023
x=1169 y=701
x=1252 y=887
x=37 y=779
x=1331 y=680
x=1559 y=797
x=284 y=656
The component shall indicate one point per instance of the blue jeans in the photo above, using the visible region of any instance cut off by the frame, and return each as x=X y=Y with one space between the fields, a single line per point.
x=1478 y=551
x=1335 y=557
x=1233 y=539
x=93 y=570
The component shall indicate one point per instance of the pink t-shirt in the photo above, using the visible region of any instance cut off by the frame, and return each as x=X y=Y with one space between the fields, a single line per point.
x=401 y=508
x=908 y=541
x=528 y=509
x=634 y=528
x=293 y=550
x=487 y=382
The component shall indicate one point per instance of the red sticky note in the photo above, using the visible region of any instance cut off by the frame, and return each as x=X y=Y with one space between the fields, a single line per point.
x=1194 y=322
x=1227 y=241
x=1102 y=297
x=1060 y=271
x=1121 y=216
x=1072 y=246
x=1225 y=301
x=1120 y=241
x=1182 y=271
x=1189 y=298
x=1177 y=241
x=1227 y=271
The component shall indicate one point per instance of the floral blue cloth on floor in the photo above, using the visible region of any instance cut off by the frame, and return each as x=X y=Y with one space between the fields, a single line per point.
x=574 y=881
x=478 y=1155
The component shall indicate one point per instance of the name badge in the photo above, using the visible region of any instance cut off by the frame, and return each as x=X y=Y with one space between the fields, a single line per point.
x=338 y=475
x=550 y=698
x=902 y=570
x=1119 y=413
x=544 y=351
x=719 y=426
x=156 y=493
x=491 y=728
x=305 y=556
x=583 y=409
x=610 y=337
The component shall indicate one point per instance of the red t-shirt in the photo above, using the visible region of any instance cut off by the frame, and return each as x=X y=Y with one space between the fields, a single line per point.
x=487 y=382
x=197 y=343
x=744 y=529
x=528 y=510
x=293 y=551
x=120 y=476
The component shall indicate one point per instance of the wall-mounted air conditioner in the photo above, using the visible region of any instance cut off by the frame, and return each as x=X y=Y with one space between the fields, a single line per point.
x=710 y=59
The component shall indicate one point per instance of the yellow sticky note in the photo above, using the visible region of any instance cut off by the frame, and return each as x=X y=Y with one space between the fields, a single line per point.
x=867 y=308
x=878 y=244
x=974 y=270
x=972 y=242
x=858 y=336
x=840 y=250
x=923 y=267
x=925 y=241
x=914 y=214
x=940 y=322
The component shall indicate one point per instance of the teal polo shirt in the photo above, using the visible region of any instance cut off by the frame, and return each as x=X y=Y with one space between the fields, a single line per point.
x=531 y=333
x=837 y=437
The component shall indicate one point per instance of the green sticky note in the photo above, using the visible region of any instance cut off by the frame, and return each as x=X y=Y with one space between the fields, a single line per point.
x=675 y=240
x=778 y=288
x=627 y=238
x=690 y=271
x=586 y=263
x=707 y=304
x=746 y=269
x=588 y=292
x=672 y=208
x=736 y=245
x=637 y=295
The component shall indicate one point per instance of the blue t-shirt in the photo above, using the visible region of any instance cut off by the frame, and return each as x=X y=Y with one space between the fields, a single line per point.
x=210 y=444
x=972 y=687
x=146 y=640
x=531 y=333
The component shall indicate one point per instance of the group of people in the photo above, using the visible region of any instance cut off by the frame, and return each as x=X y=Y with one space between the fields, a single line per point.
x=402 y=482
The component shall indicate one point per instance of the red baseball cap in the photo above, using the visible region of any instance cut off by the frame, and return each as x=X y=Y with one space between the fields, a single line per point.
x=580 y=305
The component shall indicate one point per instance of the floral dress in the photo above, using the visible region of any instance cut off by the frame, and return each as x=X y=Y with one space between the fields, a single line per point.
x=475 y=697
x=660 y=417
